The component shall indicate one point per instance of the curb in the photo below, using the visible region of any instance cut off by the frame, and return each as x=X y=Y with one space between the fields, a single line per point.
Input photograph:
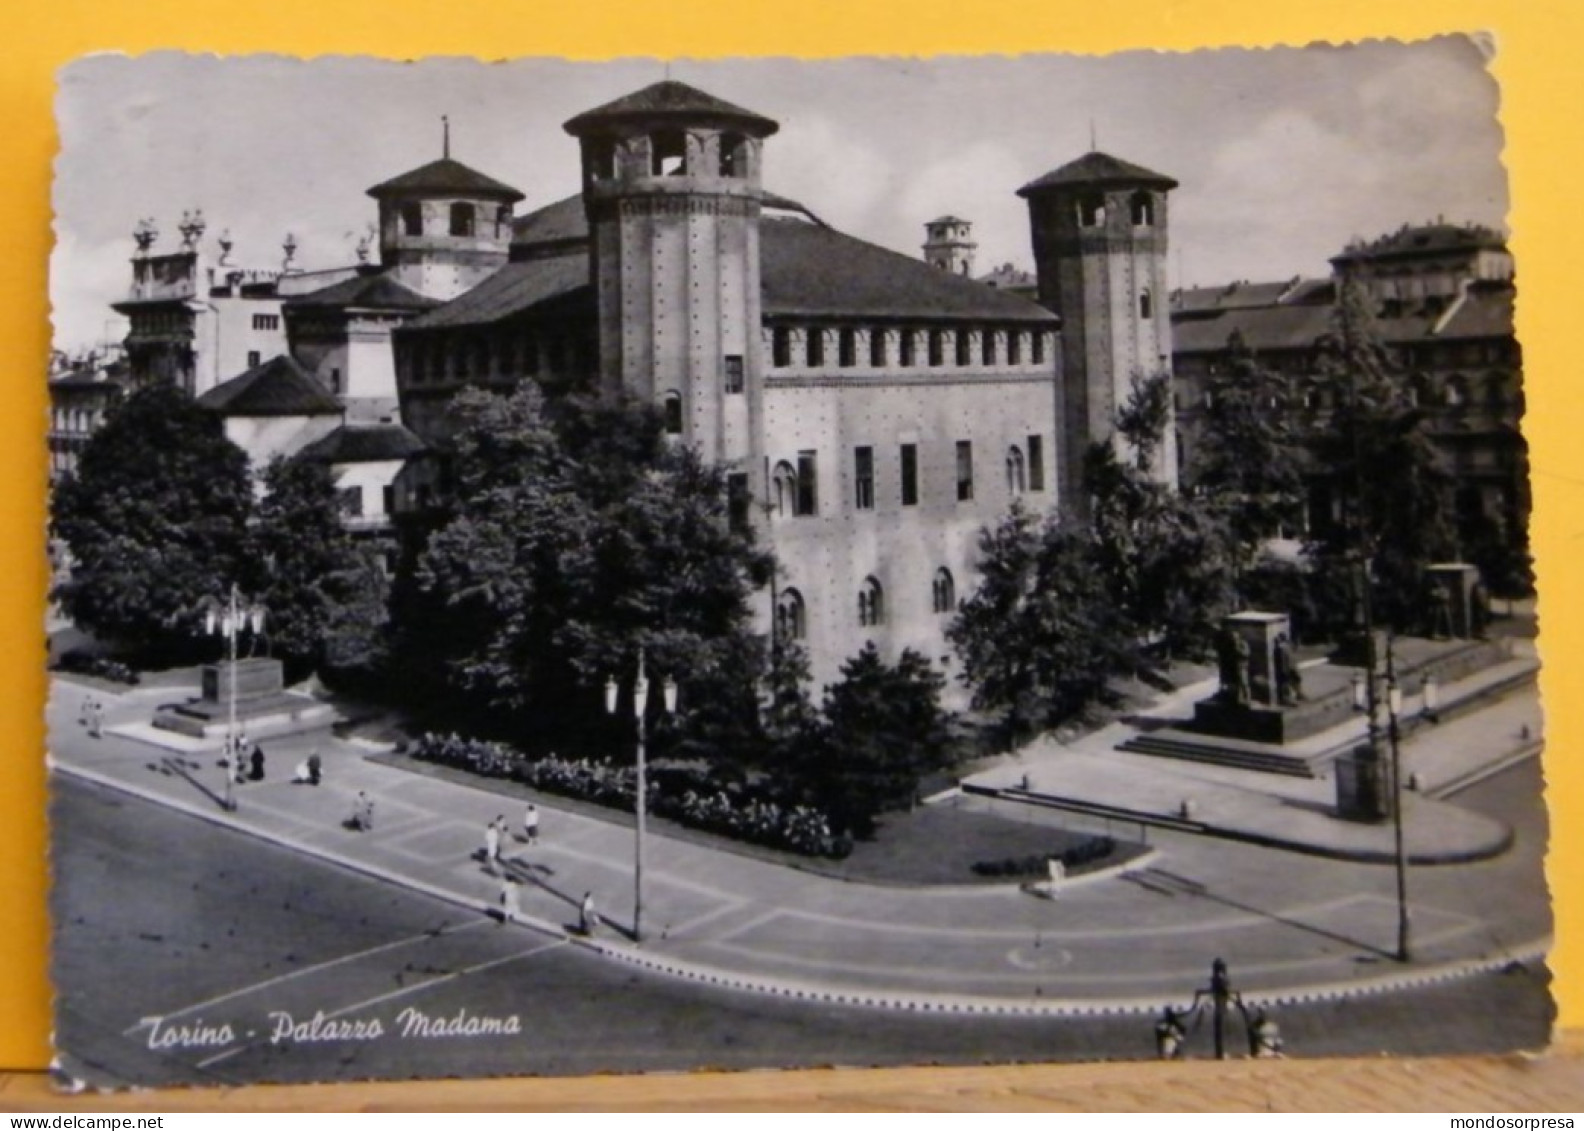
x=916 y=1001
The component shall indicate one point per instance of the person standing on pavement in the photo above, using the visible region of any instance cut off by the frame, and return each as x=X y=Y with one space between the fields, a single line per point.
x=95 y=719
x=531 y=824
x=510 y=900
x=492 y=843
x=587 y=916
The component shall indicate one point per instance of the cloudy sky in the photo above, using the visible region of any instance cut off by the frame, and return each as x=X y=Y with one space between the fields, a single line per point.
x=1283 y=155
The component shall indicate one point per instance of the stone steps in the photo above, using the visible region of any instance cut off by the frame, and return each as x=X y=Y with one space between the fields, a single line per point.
x=1241 y=755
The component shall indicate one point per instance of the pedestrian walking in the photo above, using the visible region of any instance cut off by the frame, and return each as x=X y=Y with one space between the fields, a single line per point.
x=362 y=819
x=531 y=824
x=256 y=763
x=587 y=916
x=95 y=719
x=510 y=900
x=239 y=756
x=492 y=843
x=307 y=771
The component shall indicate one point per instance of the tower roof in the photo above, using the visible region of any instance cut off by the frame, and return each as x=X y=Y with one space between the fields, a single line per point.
x=445 y=177
x=665 y=101
x=1097 y=170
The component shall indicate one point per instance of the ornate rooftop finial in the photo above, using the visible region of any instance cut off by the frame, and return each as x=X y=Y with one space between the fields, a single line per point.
x=365 y=243
x=226 y=244
x=445 y=135
x=191 y=228
x=289 y=246
x=145 y=233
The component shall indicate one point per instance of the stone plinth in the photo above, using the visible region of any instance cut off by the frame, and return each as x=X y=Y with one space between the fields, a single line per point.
x=1260 y=631
x=256 y=678
x=1363 y=785
x=1453 y=607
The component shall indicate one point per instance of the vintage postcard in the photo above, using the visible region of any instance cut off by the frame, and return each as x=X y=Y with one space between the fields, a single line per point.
x=565 y=568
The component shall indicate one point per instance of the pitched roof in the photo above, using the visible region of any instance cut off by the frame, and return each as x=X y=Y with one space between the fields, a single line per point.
x=445 y=177
x=1486 y=311
x=1099 y=170
x=811 y=270
x=513 y=289
x=364 y=443
x=366 y=292
x=277 y=387
x=1244 y=294
x=805 y=269
x=669 y=99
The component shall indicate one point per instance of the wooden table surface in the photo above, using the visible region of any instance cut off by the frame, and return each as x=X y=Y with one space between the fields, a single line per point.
x=1549 y=1083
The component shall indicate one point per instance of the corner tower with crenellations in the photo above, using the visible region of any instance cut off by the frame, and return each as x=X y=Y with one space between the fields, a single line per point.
x=1099 y=226
x=671 y=187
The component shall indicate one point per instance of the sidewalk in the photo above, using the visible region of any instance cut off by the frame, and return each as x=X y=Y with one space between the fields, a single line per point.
x=1091 y=775
x=723 y=919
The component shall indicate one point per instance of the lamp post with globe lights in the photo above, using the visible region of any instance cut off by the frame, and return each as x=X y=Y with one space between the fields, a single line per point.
x=229 y=618
x=641 y=803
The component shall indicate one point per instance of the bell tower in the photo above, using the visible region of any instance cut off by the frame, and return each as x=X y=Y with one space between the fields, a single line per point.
x=949 y=245
x=671 y=185
x=443 y=227
x=1099 y=226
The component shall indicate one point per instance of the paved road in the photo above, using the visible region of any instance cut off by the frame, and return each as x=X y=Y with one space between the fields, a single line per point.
x=1285 y=921
x=167 y=916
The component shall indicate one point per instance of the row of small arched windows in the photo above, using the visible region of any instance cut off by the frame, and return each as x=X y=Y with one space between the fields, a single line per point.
x=791 y=618
x=669 y=157
x=1092 y=210
x=995 y=347
x=463 y=219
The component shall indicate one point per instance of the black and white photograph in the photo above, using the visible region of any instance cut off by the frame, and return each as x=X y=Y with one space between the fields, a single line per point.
x=567 y=567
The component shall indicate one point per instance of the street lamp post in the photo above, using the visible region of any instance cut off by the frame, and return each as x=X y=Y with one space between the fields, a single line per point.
x=641 y=803
x=229 y=619
x=1264 y=1036
x=1400 y=853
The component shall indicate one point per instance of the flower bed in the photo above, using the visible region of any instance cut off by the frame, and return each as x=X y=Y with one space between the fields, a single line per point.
x=1090 y=850
x=691 y=797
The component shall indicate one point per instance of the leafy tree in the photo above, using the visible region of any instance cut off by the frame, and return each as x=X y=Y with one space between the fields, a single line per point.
x=885 y=731
x=1384 y=467
x=1164 y=555
x=324 y=594
x=1040 y=636
x=576 y=535
x=1248 y=462
x=156 y=520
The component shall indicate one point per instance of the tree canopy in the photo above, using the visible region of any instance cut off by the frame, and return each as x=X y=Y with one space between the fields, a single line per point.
x=155 y=518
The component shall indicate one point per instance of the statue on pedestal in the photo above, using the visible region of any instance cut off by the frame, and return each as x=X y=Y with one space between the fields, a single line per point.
x=1289 y=681
x=1232 y=657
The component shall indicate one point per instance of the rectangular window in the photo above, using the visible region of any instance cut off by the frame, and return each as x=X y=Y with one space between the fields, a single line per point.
x=1014 y=348
x=910 y=475
x=352 y=501
x=1039 y=347
x=253 y=358
x=847 y=348
x=814 y=347
x=964 y=470
x=734 y=373
x=389 y=498
x=863 y=478
x=937 y=348
x=739 y=501
x=877 y=348
x=335 y=380
x=266 y=322
x=987 y=343
x=807 y=489
x=1036 y=459
x=781 y=347
x=905 y=352
x=964 y=348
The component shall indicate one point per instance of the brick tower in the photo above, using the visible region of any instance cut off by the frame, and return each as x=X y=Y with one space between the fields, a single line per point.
x=1099 y=226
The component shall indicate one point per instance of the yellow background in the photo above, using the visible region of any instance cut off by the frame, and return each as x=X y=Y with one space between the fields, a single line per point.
x=1542 y=82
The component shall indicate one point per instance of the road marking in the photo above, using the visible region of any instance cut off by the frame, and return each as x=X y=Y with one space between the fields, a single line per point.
x=404 y=991
x=331 y=964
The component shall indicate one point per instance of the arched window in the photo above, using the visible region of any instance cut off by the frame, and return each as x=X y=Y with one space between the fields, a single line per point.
x=412 y=218
x=668 y=154
x=789 y=620
x=733 y=155
x=602 y=158
x=1146 y=303
x=945 y=591
x=783 y=484
x=1017 y=471
x=673 y=413
x=462 y=219
x=1143 y=208
x=871 y=603
x=1091 y=211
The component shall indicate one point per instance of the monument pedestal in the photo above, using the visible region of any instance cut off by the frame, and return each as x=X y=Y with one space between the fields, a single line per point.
x=1363 y=785
x=264 y=708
